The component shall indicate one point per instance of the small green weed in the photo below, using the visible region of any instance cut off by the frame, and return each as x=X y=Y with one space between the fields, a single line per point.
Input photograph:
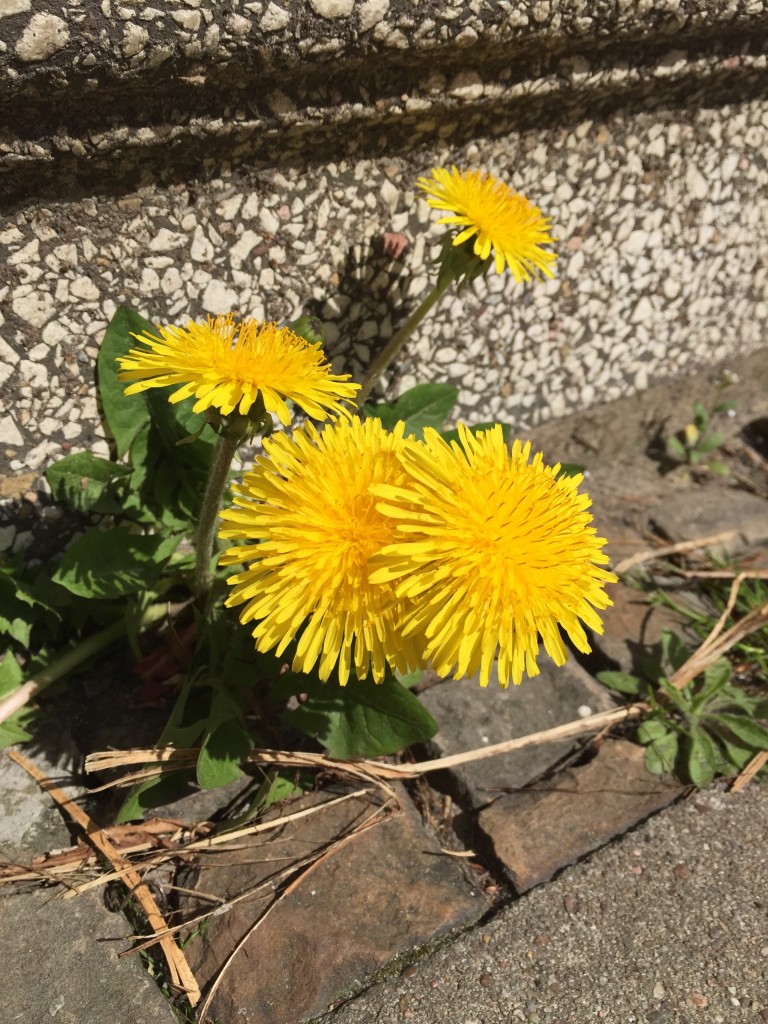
x=696 y=442
x=709 y=727
x=750 y=655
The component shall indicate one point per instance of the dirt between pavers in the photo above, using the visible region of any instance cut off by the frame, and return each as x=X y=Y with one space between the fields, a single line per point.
x=620 y=448
x=622 y=443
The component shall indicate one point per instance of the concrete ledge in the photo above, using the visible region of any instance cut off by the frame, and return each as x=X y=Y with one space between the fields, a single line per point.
x=115 y=95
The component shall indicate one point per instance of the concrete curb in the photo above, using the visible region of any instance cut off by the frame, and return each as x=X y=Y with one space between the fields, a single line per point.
x=120 y=92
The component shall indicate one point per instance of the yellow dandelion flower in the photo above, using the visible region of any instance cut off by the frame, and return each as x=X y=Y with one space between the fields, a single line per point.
x=500 y=220
x=226 y=364
x=494 y=551
x=310 y=523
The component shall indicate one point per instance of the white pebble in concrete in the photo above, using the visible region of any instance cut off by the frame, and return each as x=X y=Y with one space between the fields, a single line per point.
x=371 y=12
x=218 y=298
x=275 y=18
x=332 y=8
x=43 y=36
x=8 y=7
x=35 y=307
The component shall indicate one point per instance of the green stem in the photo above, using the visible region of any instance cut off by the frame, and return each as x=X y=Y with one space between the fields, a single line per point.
x=75 y=657
x=394 y=345
x=206 y=528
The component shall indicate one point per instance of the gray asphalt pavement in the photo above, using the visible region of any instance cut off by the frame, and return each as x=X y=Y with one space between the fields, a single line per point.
x=668 y=925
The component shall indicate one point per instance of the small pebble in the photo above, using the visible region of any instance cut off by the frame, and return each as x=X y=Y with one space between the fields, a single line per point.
x=486 y=939
x=660 y=1016
x=485 y=980
x=541 y=940
x=409 y=972
x=658 y=990
x=682 y=871
x=395 y=245
x=571 y=904
x=699 y=1000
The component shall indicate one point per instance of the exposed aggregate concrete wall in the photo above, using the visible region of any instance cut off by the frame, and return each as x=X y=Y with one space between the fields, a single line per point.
x=199 y=157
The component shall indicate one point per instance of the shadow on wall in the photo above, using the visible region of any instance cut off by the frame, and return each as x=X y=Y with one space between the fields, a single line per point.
x=367 y=307
x=188 y=131
x=33 y=526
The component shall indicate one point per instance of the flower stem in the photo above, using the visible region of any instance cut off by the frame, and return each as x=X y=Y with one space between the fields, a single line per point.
x=75 y=657
x=394 y=345
x=206 y=528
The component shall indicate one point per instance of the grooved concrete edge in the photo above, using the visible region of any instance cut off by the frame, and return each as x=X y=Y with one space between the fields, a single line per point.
x=125 y=41
x=268 y=79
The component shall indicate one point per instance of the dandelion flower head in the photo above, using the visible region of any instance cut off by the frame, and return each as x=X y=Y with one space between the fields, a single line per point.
x=309 y=523
x=226 y=364
x=495 y=551
x=501 y=221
